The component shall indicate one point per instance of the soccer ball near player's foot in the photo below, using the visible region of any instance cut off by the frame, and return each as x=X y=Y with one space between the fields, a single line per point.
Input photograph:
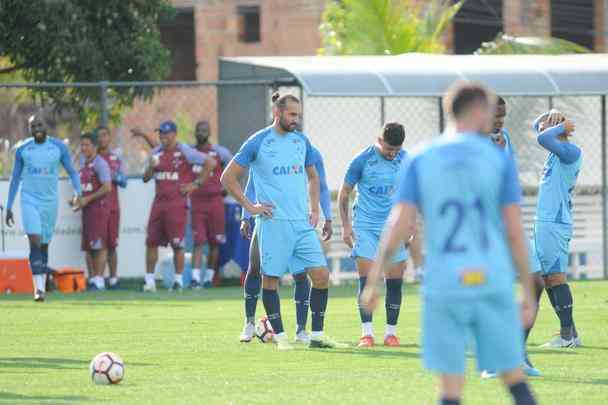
x=264 y=331
x=107 y=368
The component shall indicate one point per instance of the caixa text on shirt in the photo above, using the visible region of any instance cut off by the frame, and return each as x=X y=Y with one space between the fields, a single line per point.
x=171 y=176
x=287 y=170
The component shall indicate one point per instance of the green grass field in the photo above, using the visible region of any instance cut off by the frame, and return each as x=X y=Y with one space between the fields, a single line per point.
x=184 y=349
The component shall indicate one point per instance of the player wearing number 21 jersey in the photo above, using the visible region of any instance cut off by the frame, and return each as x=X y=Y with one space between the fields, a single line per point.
x=468 y=194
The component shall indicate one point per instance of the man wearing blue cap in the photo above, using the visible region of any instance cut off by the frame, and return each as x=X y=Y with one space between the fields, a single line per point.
x=170 y=164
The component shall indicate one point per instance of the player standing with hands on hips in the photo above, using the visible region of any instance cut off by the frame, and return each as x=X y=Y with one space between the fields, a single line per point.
x=287 y=188
x=37 y=161
x=468 y=194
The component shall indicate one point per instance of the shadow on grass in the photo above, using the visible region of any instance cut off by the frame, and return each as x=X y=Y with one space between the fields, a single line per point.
x=372 y=353
x=164 y=297
x=51 y=363
x=9 y=397
x=586 y=381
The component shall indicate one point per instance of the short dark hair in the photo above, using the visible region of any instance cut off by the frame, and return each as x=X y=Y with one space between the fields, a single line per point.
x=99 y=129
x=500 y=101
x=91 y=136
x=462 y=95
x=281 y=101
x=393 y=133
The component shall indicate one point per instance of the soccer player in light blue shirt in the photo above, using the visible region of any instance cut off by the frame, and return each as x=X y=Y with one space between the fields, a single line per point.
x=287 y=191
x=373 y=172
x=553 y=222
x=301 y=283
x=37 y=161
x=468 y=194
x=500 y=136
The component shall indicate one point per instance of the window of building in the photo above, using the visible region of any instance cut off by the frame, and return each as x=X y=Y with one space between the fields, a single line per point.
x=573 y=21
x=178 y=37
x=249 y=23
x=477 y=21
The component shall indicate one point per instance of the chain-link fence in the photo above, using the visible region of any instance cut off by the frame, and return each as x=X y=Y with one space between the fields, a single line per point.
x=340 y=127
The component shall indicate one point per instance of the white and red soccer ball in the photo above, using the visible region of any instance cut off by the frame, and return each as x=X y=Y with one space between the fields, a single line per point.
x=107 y=368
x=264 y=331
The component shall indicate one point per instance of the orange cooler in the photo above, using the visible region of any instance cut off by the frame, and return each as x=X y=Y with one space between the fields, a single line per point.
x=15 y=273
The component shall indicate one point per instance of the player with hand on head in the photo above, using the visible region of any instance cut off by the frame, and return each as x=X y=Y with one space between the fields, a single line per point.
x=468 y=194
x=287 y=191
x=170 y=164
x=253 y=278
x=96 y=182
x=37 y=161
x=553 y=222
x=119 y=179
x=207 y=209
x=374 y=173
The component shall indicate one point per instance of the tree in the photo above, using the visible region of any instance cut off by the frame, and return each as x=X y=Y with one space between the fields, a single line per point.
x=83 y=41
x=509 y=45
x=385 y=27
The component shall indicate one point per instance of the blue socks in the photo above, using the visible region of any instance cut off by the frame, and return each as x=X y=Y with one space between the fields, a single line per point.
x=562 y=303
x=365 y=317
x=36 y=260
x=253 y=283
x=393 y=299
x=45 y=256
x=521 y=394
x=272 y=304
x=318 y=305
x=301 y=296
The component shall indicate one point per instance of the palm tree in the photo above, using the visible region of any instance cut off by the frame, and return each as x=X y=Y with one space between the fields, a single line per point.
x=385 y=27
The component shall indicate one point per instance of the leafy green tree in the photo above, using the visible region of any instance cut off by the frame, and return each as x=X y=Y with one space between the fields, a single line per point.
x=385 y=27
x=509 y=45
x=83 y=41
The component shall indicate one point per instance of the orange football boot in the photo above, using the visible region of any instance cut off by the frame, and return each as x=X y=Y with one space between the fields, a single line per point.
x=366 y=341
x=392 y=341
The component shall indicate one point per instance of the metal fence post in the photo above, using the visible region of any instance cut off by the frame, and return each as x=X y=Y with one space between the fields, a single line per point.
x=103 y=101
x=441 y=117
x=604 y=191
x=382 y=112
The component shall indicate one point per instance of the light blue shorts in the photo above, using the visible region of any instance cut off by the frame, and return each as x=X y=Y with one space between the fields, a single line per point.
x=552 y=246
x=532 y=259
x=492 y=321
x=287 y=246
x=39 y=219
x=366 y=246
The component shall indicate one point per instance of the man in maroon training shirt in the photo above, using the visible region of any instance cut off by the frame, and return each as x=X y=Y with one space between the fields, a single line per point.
x=119 y=179
x=207 y=209
x=171 y=166
x=95 y=205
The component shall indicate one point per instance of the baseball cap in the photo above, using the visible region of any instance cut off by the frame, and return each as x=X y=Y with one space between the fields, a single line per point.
x=166 y=127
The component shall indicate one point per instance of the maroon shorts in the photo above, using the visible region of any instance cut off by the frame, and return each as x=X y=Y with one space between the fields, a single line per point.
x=95 y=221
x=208 y=222
x=167 y=223
x=113 y=229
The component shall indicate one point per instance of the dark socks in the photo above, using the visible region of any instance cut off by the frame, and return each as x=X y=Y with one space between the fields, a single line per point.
x=521 y=394
x=445 y=401
x=562 y=303
x=253 y=283
x=393 y=300
x=318 y=305
x=45 y=256
x=365 y=317
x=272 y=304
x=301 y=296
x=36 y=263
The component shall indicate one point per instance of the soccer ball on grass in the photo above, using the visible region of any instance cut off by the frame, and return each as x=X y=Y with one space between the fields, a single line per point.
x=264 y=331
x=107 y=368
